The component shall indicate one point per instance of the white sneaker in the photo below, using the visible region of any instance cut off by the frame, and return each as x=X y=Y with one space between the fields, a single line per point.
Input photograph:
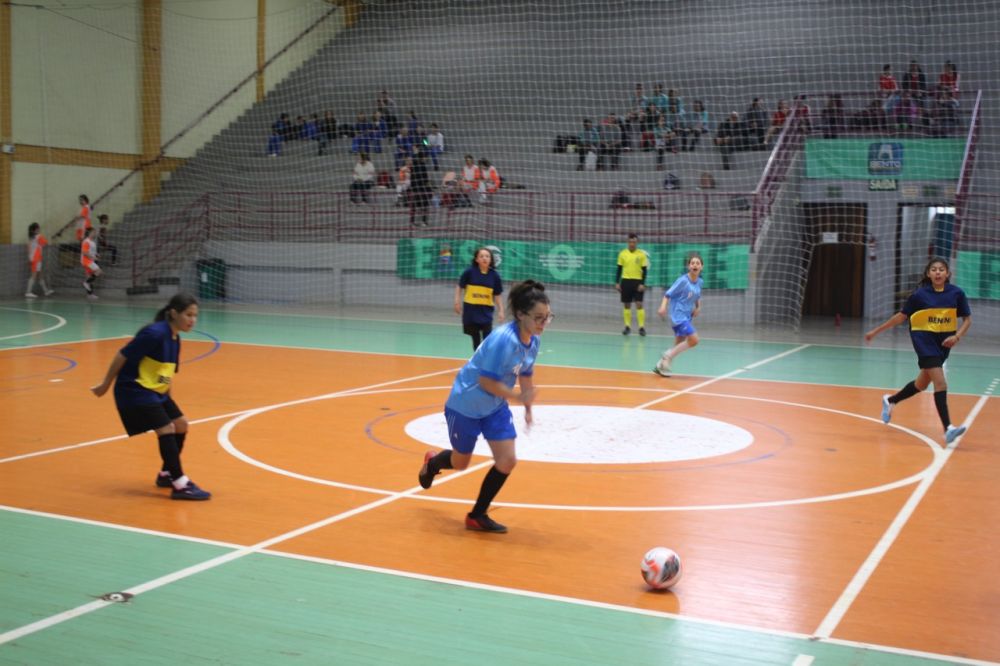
x=661 y=368
x=91 y=297
x=87 y=288
x=49 y=292
x=28 y=294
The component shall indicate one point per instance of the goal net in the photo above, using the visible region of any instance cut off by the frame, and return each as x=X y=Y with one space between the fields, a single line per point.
x=765 y=135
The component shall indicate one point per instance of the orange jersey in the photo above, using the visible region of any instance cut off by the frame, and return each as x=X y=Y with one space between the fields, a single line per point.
x=83 y=222
x=492 y=180
x=35 y=246
x=88 y=251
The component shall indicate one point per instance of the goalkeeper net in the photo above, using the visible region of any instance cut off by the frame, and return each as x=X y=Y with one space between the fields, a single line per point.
x=766 y=135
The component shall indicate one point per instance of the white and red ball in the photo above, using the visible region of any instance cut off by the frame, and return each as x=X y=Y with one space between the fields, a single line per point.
x=661 y=568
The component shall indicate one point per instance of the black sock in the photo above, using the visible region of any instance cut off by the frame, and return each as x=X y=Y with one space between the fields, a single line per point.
x=941 y=402
x=907 y=391
x=491 y=486
x=476 y=339
x=179 y=438
x=170 y=455
x=439 y=462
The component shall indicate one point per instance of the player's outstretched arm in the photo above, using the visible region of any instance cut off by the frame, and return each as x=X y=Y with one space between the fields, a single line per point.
x=117 y=363
x=894 y=320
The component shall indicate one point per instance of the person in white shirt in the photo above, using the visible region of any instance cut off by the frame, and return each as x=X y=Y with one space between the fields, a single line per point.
x=435 y=144
x=364 y=179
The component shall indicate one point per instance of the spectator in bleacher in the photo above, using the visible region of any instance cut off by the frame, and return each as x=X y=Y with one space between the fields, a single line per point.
x=665 y=139
x=404 y=146
x=871 y=118
x=274 y=143
x=755 y=124
x=610 y=149
x=104 y=245
x=587 y=141
x=647 y=127
x=729 y=138
x=413 y=122
x=777 y=122
x=832 y=117
x=915 y=83
x=696 y=124
x=490 y=182
x=659 y=98
x=906 y=115
x=420 y=189
x=282 y=127
x=629 y=124
x=310 y=131
x=379 y=130
x=298 y=129
x=675 y=121
x=327 y=131
x=673 y=96
x=888 y=90
x=948 y=77
x=362 y=134
x=403 y=181
x=638 y=101
x=364 y=178
x=471 y=176
x=803 y=113
x=386 y=105
x=435 y=144
x=945 y=112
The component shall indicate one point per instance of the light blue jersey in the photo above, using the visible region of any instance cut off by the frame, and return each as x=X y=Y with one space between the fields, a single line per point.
x=684 y=296
x=503 y=357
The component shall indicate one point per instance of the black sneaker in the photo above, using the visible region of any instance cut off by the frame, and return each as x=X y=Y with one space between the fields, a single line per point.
x=425 y=477
x=190 y=492
x=642 y=331
x=164 y=481
x=484 y=523
x=626 y=330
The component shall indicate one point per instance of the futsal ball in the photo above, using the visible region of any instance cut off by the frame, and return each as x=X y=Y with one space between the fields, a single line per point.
x=661 y=568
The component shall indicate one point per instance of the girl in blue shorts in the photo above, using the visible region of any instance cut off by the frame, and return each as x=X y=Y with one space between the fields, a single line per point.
x=479 y=399
x=143 y=373
x=933 y=310
x=684 y=299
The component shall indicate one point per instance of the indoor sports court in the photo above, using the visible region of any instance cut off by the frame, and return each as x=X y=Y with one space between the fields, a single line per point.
x=809 y=531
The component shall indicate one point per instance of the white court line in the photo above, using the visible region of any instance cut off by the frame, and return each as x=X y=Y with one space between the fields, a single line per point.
x=187 y=572
x=803 y=660
x=60 y=322
x=874 y=559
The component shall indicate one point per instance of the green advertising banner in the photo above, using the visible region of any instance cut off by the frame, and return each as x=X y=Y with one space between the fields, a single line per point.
x=880 y=158
x=726 y=266
x=978 y=274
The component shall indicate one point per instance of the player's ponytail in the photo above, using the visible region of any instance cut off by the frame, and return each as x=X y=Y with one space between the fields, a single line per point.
x=179 y=303
x=525 y=295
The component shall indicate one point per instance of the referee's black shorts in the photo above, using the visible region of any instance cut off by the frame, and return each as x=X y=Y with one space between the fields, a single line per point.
x=137 y=419
x=630 y=291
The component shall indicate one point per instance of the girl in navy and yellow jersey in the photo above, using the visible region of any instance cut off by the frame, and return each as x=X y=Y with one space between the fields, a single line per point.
x=933 y=310
x=143 y=372
x=482 y=287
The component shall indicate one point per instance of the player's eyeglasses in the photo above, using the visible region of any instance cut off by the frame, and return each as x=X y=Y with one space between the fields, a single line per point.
x=543 y=319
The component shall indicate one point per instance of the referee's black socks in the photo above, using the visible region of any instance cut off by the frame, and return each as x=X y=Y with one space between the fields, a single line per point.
x=491 y=486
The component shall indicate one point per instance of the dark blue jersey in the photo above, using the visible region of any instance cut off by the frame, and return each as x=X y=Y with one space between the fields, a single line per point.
x=933 y=317
x=151 y=359
x=480 y=290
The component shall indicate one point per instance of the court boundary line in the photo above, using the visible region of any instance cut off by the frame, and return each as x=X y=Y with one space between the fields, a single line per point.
x=666 y=615
x=860 y=579
x=60 y=322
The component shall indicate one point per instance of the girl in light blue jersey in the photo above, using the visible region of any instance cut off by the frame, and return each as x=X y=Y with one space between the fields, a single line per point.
x=479 y=398
x=684 y=299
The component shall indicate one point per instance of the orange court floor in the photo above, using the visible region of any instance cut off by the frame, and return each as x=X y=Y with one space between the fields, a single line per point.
x=774 y=535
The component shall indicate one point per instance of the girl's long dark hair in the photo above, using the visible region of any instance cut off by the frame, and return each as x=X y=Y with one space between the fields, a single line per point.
x=525 y=295
x=924 y=280
x=33 y=229
x=179 y=303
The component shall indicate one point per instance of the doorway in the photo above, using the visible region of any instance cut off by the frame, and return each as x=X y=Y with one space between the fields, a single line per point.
x=838 y=236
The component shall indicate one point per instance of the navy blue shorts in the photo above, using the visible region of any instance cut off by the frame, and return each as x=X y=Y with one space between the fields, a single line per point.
x=927 y=362
x=463 y=431
x=137 y=419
